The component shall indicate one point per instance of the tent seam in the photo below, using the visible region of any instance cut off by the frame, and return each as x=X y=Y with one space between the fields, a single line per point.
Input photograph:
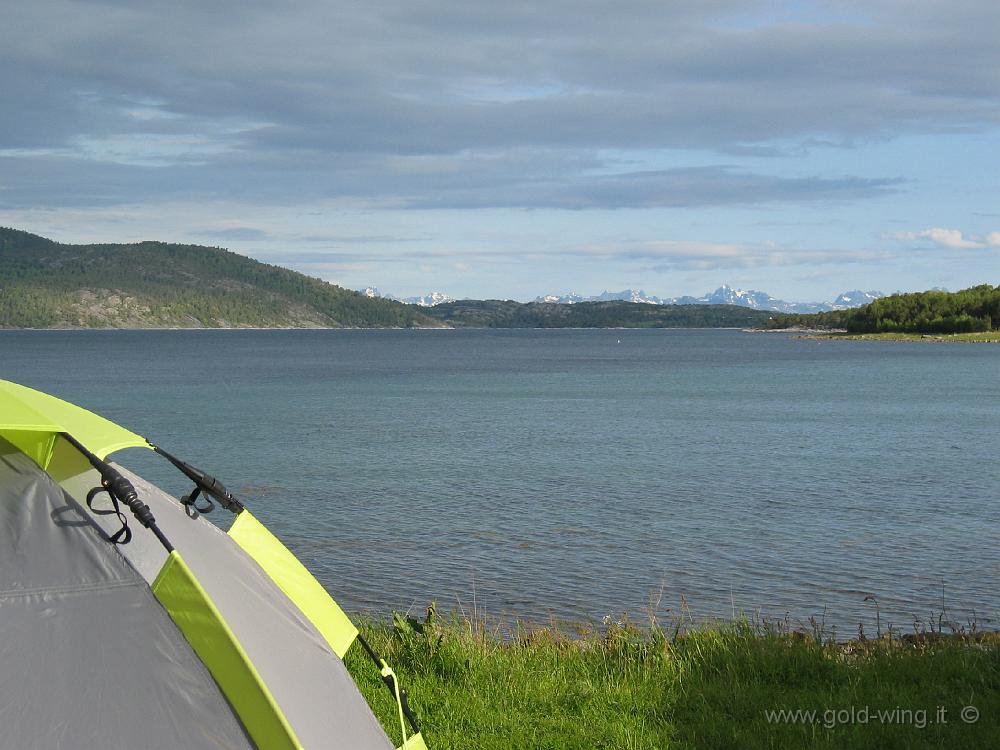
x=81 y=589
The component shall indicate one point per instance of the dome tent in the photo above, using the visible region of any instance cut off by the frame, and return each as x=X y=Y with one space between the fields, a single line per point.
x=165 y=632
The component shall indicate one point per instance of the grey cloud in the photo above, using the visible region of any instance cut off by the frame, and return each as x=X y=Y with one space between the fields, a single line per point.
x=653 y=256
x=584 y=71
x=354 y=239
x=63 y=182
x=676 y=188
x=669 y=255
x=482 y=181
x=322 y=99
x=772 y=259
x=322 y=257
x=237 y=234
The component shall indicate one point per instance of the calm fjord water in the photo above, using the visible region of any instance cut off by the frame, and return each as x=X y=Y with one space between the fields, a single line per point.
x=578 y=473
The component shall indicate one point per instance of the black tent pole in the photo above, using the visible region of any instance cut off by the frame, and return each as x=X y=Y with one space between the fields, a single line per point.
x=204 y=482
x=122 y=490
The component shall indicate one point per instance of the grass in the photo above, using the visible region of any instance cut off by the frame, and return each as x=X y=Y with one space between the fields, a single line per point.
x=716 y=686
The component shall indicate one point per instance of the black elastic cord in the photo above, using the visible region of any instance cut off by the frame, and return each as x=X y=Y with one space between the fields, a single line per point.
x=389 y=683
x=190 y=503
x=124 y=534
x=121 y=491
x=203 y=483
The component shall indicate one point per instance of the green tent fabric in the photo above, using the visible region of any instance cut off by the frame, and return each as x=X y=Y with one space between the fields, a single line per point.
x=31 y=420
x=236 y=615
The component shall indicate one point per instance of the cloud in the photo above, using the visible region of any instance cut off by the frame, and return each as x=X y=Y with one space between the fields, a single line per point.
x=397 y=130
x=515 y=179
x=667 y=255
x=671 y=188
x=269 y=100
x=237 y=234
x=655 y=254
x=951 y=238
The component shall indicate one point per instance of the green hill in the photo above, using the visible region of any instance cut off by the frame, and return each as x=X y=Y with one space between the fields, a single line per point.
x=934 y=312
x=615 y=314
x=45 y=284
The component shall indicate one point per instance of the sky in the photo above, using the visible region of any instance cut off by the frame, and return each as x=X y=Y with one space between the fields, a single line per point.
x=521 y=148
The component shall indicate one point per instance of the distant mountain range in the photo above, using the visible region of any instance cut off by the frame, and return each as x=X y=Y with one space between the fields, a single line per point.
x=428 y=300
x=724 y=295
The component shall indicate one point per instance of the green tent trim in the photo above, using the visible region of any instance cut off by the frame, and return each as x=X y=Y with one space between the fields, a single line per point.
x=32 y=420
x=211 y=638
x=298 y=583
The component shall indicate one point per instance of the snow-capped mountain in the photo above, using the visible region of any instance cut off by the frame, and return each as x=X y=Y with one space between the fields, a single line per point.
x=857 y=298
x=628 y=295
x=428 y=300
x=562 y=299
x=725 y=295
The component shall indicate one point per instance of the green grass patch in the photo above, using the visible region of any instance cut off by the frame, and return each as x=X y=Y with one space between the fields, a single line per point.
x=719 y=686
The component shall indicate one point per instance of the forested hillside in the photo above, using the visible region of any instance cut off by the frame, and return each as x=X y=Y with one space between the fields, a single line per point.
x=616 y=314
x=45 y=284
x=967 y=311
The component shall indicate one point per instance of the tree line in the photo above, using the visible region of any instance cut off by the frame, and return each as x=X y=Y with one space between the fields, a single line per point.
x=612 y=314
x=967 y=311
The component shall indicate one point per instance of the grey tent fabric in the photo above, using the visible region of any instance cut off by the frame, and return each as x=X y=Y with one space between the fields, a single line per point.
x=77 y=477
x=307 y=679
x=88 y=657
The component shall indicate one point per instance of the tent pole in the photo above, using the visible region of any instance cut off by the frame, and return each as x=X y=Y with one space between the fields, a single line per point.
x=204 y=482
x=122 y=490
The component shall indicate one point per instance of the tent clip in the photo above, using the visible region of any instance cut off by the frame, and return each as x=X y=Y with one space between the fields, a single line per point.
x=203 y=483
x=121 y=491
x=190 y=503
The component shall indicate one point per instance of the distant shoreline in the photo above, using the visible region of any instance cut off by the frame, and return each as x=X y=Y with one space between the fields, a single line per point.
x=805 y=334
x=398 y=328
x=985 y=337
x=238 y=328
